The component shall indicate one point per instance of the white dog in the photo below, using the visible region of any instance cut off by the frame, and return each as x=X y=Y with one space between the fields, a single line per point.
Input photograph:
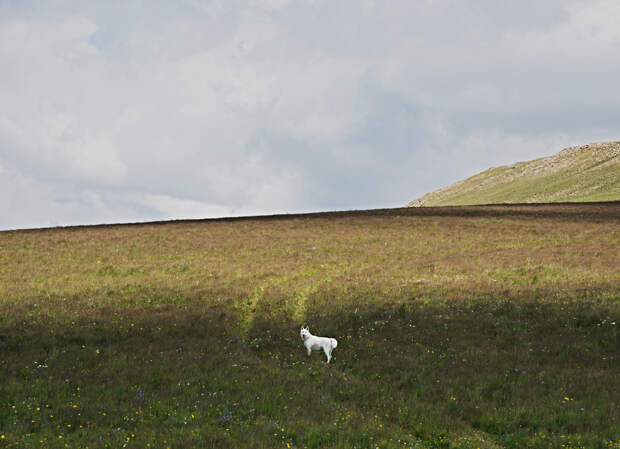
x=314 y=343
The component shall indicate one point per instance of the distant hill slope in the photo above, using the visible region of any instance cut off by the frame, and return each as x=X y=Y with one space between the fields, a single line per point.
x=581 y=173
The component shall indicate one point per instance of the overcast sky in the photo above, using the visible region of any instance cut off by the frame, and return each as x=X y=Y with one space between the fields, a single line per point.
x=138 y=110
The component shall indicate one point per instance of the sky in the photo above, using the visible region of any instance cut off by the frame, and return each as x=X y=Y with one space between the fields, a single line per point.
x=141 y=110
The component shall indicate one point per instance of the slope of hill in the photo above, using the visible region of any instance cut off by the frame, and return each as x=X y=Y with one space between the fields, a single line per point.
x=490 y=327
x=581 y=173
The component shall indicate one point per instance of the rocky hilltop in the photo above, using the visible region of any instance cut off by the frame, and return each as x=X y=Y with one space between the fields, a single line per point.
x=576 y=174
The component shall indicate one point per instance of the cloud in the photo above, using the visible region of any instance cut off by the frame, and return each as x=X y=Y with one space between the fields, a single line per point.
x=118 y=112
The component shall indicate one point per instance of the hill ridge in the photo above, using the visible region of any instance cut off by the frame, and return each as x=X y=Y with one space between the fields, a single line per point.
x=581 y=173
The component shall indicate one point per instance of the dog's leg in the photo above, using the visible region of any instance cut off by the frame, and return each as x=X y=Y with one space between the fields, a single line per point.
x=327 y=353
x=309 y=352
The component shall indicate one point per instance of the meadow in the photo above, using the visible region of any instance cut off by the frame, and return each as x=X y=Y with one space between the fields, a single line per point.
x=457 y=327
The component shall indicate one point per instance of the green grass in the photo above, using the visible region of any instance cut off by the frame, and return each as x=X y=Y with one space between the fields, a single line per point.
x=470 y=327
x=577 y=174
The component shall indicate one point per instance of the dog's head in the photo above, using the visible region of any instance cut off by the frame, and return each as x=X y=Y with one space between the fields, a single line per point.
x=304 y=332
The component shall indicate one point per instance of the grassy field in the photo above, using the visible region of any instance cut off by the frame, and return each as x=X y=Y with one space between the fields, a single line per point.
x=465 y=327
x=577 y=174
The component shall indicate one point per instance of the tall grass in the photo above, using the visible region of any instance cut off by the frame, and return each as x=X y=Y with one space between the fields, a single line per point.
x=457 y=328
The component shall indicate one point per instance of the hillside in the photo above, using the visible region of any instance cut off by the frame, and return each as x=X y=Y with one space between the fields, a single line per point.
x=576 y=174
x=458 y=328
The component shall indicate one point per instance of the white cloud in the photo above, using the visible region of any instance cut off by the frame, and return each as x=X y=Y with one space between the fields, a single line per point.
x=179 y=208
x=123 y=112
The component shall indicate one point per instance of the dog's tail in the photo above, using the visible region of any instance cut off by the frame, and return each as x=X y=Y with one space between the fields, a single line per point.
x=334 y=343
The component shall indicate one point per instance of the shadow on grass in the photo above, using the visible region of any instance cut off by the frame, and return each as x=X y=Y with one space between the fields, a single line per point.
x=595 y=211
x=412 y=367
